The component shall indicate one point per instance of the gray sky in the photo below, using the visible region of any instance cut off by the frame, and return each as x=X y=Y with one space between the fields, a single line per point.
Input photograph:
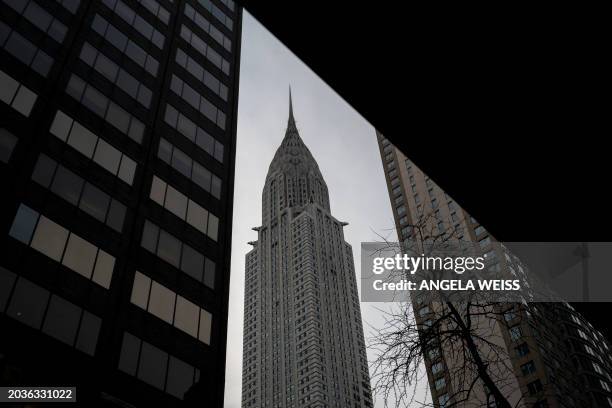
x=342 y=142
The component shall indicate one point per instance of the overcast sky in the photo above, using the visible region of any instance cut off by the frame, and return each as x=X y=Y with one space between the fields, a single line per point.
x=342 y=142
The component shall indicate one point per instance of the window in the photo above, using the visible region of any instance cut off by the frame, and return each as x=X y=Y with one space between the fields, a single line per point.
x=534 y=387
x=7 y=281
x=156 y=367
x=193 y=263
x=63 y=320
x=128 y=47
x=25 y=51
x=49 y=238
x=16 y=95
x=24 y=224
x=119 y=77
x=442 y=400
x=66 y=184
x=169 y=248
x=59 y=244
x=156 y=9
x=186 y=318
x=424 y=311
x=88 y=333
x=437 y=367
x=522 y=349
x=509 y=315
x=180 y=377
x=28 y=303
x=152 y=366
x=189 y=168
x=479 y=230
x=200 y=45
x=433 y=353
x=130 y=349
x=440 y=383
x=40 y=18
x=490 y=256
x=198 y=102
x=177 y=253
x=92 y=147
x=201 y=74
x=217 y=13
x=136 y=21
x=194 y=133
x=7 y=144
x=105 y=108
x=70 y=5
x=485 y=242
x=80 y=256
x=174 y=309
x=528 y=368
x=515 y=333
x=161 y=302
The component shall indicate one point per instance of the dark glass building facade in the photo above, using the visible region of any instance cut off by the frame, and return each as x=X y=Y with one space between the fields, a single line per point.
x=117 y=148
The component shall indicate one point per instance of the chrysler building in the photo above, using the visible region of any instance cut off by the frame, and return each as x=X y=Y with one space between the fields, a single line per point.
x=303 y=336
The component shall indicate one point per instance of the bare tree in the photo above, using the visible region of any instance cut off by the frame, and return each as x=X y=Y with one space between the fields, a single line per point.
x=464 y=336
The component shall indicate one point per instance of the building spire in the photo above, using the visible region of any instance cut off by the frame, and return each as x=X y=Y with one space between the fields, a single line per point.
x=291 y=119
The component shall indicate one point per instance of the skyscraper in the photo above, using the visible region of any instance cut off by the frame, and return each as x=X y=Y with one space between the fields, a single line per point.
x=303 y=336
x=552 y=355
x=117 y=136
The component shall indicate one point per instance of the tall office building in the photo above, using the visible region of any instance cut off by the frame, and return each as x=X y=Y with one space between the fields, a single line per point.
x=303 y=336
x=117 y=141
x=552 y=356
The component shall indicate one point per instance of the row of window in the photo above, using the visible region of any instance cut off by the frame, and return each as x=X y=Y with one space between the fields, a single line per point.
x=93 y=147
x=184 y=208
x=198 y=101
x=189 y=168
x=171 y=307
x=193 y=132
x=128 y=47
x=78 y=192
x=217 y=13
x=205 y=25
x=156 y=367
x=203 y=48
x=40 y=17
x=116 y=75
x=133 y=19
x=229 y=4
x=36 y=307
x=201 y=74
x=26 y=52
x=102 y=106
x=61 y=245
x=156 y=9
x=16 y=95
x=178 y=254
